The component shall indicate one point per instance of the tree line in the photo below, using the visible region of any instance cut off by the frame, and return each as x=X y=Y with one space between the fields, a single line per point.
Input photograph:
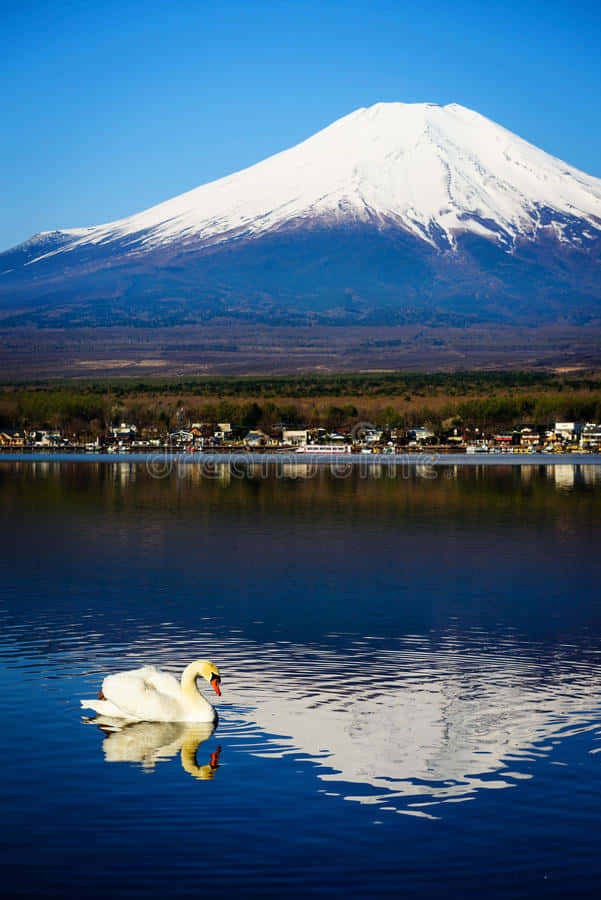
x=89 y=410
x=311 y=385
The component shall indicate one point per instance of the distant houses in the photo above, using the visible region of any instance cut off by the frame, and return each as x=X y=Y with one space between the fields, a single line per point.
x=560 y=437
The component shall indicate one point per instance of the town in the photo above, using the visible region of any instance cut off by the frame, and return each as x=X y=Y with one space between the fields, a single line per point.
x=361 y=437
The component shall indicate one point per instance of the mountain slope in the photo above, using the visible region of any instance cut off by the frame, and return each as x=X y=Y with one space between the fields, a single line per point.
x=400 y=206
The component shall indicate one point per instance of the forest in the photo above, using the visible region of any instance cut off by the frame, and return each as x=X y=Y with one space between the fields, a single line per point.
x=470 y=399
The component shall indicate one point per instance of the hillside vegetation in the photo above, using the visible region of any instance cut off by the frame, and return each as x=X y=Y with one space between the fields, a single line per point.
x=489 y=399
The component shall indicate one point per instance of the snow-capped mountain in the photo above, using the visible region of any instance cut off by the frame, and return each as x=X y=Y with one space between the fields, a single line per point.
x=397 y=201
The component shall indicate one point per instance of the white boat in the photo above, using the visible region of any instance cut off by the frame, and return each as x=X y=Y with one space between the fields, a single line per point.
x=324 y=448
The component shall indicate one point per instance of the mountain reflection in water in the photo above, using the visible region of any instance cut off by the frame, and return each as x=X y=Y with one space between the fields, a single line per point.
x=412 y=725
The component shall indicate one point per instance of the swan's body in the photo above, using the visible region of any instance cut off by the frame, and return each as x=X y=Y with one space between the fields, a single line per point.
x=149 y=695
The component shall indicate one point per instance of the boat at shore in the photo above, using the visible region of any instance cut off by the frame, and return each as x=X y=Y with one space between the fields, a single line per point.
x=323 y=448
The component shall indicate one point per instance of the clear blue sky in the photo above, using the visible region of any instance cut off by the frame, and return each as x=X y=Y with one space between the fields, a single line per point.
x=108 y=108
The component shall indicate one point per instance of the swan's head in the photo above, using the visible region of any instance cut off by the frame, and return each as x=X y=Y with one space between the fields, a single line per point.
x=210 y=672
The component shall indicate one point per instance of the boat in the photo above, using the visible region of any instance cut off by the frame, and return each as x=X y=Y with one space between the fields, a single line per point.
x=323 y=448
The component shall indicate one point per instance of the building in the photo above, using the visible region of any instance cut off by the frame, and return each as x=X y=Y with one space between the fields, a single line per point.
x=197 y=435
x=567 y=430
x=590 y=437
x=294 y=437
x=373 y=436
x=12 y=438
x=506 y=440
x=255 y=438
x=123 y=432
x=47 y=439
x=181 y=437
x=419 y=435
x=529 y=437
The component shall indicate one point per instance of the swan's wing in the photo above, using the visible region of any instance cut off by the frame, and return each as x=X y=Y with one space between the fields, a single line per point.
x=151 y=677
x=136 y=695
x=163 y=682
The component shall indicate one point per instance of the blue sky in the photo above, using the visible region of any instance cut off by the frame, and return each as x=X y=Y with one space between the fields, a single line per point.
x=108 y=108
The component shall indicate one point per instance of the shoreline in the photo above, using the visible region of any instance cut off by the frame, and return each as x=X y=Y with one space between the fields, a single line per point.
x=339 y=460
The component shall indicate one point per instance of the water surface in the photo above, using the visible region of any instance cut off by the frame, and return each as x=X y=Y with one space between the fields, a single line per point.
x=411 y=694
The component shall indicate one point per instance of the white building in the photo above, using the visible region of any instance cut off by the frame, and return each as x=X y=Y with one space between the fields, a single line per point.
x=294 y=436
x=567 y=430
x=417 y=435
x=590 y=437
x=123 y=430
x=48 y=439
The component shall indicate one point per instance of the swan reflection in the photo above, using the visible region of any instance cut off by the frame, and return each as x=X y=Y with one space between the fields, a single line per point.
x=149 y=743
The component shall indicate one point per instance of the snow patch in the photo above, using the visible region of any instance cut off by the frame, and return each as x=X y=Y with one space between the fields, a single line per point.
x=433 y=171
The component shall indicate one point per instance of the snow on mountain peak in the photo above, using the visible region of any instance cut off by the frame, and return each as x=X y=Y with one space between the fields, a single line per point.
x=433 y=171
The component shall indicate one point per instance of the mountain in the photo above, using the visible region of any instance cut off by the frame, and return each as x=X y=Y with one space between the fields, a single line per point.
x=398 y=212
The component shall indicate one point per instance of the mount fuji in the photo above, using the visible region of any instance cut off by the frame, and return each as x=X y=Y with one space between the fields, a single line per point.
x=394 y=213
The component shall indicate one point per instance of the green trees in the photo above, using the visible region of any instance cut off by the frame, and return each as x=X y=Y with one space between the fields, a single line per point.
x=488 y=400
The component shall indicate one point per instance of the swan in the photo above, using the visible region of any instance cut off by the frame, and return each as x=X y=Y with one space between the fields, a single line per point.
x=149 y=695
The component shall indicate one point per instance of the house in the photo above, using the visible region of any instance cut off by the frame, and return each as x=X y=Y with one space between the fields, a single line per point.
x=505 y=440
x=419 y=435
x=590 y=438
x=373 y=435
x=197 y=433
x=123 y=431
x=181 y=437
x=529 y=437
x=12 y=438
x=221 y=434
x=255 y=438
x=294 y=437
x=45 y=438
x=567 y=430
x=455 y=437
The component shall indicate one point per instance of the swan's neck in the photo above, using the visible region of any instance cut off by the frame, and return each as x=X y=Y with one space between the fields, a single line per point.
x=190 y=692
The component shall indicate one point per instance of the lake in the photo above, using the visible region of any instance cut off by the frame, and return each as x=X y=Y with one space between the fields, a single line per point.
x=411 y=680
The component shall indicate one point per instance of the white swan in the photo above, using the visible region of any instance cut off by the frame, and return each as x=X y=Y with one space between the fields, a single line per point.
x=148 y=695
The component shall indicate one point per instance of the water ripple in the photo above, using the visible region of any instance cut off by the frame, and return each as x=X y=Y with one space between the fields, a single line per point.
x=401 y=723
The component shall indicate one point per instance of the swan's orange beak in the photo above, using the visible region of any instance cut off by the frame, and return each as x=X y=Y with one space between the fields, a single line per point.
x=215 y=683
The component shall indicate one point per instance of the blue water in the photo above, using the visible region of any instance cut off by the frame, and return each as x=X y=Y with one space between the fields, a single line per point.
x=411 y=694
